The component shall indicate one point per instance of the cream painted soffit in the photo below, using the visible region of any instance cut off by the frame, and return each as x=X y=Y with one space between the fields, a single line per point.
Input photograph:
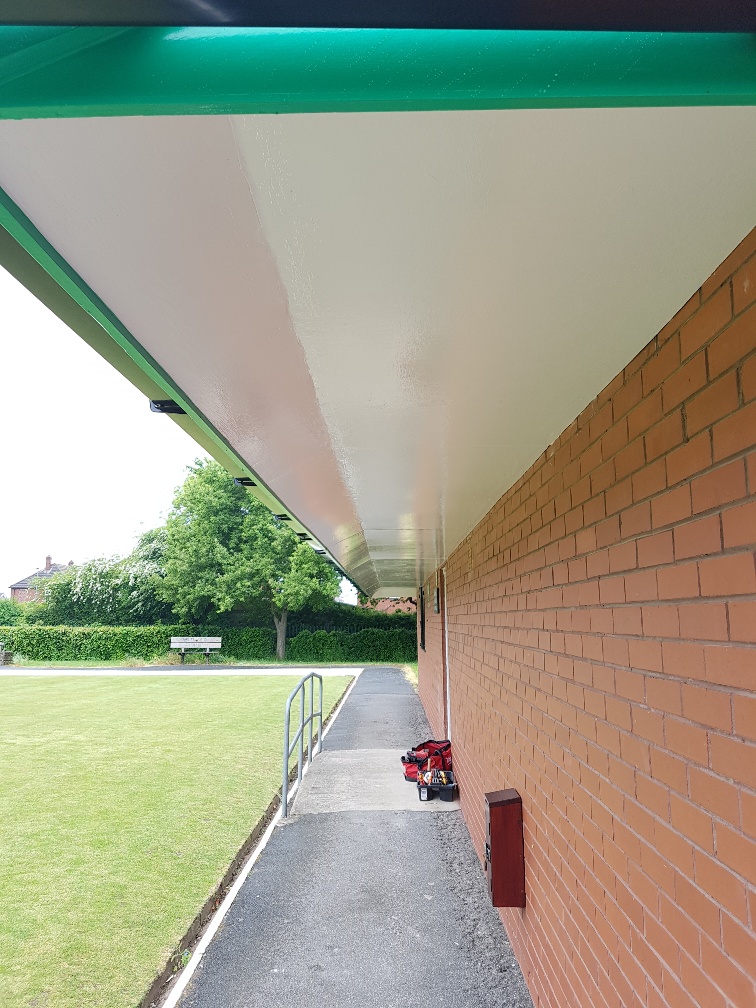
x=390 y=315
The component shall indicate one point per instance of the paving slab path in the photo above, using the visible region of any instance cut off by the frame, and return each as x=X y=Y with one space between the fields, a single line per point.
x=365 y=897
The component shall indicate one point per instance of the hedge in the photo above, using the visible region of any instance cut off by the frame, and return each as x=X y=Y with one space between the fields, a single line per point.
x=364 y=646
x=44 y=643
x=350 y=619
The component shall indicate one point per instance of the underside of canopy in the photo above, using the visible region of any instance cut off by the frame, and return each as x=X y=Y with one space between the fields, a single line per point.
x=381 y=318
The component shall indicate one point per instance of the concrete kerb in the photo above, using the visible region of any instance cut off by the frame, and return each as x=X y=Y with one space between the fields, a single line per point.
x=167 y=988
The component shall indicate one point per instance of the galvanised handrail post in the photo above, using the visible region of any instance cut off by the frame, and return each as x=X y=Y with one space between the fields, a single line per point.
x=300 y=690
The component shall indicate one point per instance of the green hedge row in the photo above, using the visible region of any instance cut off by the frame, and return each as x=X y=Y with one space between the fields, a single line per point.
x=45 y=643
x=364 y=646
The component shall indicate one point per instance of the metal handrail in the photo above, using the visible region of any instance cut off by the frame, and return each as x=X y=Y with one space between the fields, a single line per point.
x=288 y=747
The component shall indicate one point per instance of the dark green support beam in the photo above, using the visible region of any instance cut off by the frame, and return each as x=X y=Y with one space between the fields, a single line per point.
x=48 y=72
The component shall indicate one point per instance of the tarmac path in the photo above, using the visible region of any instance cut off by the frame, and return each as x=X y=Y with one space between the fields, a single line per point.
x=364 y=897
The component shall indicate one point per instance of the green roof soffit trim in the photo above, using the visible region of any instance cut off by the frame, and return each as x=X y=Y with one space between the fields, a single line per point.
x=91 y=71
x=57 y=285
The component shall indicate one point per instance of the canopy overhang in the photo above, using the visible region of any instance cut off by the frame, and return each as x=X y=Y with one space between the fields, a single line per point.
x=380 y=319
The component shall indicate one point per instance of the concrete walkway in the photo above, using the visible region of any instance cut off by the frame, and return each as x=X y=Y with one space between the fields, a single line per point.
x=365 y=897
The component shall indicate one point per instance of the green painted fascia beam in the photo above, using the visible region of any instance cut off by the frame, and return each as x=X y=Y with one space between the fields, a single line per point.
x=30 y=258
x=194 y=71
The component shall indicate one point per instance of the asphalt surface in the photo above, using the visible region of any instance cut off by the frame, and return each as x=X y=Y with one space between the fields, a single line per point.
x=363 y=908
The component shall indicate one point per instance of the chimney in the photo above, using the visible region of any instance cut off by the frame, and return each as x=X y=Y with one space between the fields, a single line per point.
x=48 y=563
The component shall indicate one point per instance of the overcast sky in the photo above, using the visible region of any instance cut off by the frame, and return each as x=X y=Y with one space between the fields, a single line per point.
x=85 y=466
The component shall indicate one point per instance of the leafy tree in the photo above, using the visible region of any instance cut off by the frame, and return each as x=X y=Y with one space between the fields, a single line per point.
x=11 y=612
x=108 y=592
x=225 y=551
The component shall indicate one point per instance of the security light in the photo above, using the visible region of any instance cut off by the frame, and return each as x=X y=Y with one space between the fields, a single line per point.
x=165 y=406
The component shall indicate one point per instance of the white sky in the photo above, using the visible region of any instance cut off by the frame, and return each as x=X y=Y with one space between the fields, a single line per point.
x=85 y=466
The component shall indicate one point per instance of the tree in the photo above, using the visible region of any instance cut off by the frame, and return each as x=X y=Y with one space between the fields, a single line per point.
x=11 y=612
x=224 y=550
x=110 y=592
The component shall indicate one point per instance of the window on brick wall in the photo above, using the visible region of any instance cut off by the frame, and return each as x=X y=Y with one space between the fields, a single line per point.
x=421 y=615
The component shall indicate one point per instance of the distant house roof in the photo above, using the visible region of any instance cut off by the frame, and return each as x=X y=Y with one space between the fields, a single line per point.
x=48 y=570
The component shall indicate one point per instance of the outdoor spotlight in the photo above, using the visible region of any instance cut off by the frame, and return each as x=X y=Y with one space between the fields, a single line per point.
x=304 y=536
x=283 y=517
x=244 y=481
x=165 y=406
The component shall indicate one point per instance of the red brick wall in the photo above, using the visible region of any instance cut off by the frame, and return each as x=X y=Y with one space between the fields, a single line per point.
x=601 y=626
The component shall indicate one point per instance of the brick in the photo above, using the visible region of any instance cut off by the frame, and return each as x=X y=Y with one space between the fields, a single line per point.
x=720 y=486
x=710 y=318
x=669 y=769
x=692 y=822
x=656 y=549
x=664 y=694
x=716 y=401
x=622 y=557
x=627 y=396
x=744 y=286
x=687 y=740
x=707 y=707
x=684 y=383
x=742 y=625
x=678 y=924
x=690 y=458
x=661 y=365
x=702 y=909
x=664 y=436
x=731 y=666
x=739 y=525
x=704 y=621
x=611 y=589
x=747 y=815
x=684 y=659
x=748 y=379
x=650 y=480
x=721 y=884
x=737 y=851
x=744 y=710
x=734 y=759
x=645 y=654
x=736 y=342
x=629 y=685
x=672 y=506
x=636 y=520
x=641 y=586
x=735 y=434
x=739 y=943
x=732 y=981
x=645 y=415
x=619 y=496
x=698 y=538
x=728 y=575
x=715 y=795
x=627 y=620
x=678 y=582
x=661 y=621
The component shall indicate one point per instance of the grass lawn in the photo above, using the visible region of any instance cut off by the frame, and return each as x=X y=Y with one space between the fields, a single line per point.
x=122 y=802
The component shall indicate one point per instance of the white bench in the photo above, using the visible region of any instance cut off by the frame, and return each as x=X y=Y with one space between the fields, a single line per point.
x=206 y=644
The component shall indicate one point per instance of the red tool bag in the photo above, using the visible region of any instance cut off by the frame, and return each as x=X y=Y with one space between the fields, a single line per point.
x=437 y=751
